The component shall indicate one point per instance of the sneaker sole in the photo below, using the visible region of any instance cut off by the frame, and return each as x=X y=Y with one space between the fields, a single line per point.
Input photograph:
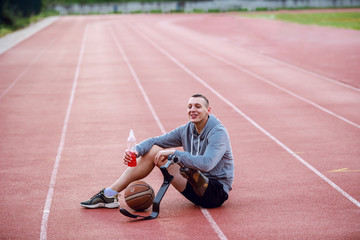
x=102 y=205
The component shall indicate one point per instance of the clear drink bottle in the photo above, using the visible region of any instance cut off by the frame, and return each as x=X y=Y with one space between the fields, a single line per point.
x=131 y=144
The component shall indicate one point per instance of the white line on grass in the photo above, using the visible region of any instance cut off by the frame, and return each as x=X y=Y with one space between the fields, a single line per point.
x=46 y=212
x=206 y=213
x=173 y=59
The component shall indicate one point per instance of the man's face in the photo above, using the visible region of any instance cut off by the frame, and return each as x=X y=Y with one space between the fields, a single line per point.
x=197 y=110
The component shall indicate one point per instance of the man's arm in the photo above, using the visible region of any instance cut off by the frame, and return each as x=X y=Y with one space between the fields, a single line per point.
x=218 y=142
x=168 y=140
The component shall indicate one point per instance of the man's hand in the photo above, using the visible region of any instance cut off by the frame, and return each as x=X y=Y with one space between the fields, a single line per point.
x=161 y=156
x=127 y=157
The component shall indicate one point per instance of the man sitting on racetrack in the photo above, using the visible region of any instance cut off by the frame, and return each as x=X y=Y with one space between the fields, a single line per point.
x=206 y=146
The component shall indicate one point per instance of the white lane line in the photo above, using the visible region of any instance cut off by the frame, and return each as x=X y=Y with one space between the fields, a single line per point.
x=133 y=73
x=169 y=24
x=302 y=70
x=213 y=224
x=206 y=213
x=276 y=85
x=46 y=212
x=209 y=53
x=173 y=59
x=22 y=74
x=34 y=60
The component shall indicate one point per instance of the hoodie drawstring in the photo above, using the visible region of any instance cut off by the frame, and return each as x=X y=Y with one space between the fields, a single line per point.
x=198 y=146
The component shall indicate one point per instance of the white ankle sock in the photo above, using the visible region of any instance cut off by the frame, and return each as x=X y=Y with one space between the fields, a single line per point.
x=110 y=193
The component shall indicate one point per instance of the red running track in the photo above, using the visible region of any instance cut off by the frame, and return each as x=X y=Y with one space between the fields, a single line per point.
x=288 y=95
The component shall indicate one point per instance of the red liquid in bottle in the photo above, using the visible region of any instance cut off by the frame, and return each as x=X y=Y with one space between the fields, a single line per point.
x=132 y=163
x=131 y=144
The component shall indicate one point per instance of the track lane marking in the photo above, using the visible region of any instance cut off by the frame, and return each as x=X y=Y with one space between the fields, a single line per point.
x=193 y=75
x=263 y=79
x=269 y=82
x=46 y=211
x=33 y=61
x=205 y=212
x=133 y=73
x=169 y=24
x=344 y=170
x=302 y=70
x=22 y=74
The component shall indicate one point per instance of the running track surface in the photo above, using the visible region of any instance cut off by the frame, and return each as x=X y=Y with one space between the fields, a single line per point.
x=288 y=95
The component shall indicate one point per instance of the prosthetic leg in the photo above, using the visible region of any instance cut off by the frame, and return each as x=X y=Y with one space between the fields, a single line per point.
x=197 y=180
x=156 y=204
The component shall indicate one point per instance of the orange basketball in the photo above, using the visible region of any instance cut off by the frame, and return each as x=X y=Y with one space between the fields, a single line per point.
x=139 y=195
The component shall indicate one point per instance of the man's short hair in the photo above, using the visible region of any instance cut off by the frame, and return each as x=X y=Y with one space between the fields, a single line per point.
x=203 y=97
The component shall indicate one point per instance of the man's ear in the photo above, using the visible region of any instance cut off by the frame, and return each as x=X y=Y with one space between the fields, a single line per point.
x=209 y=110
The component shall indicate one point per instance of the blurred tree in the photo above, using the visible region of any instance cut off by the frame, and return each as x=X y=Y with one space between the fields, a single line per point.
x=12 y=9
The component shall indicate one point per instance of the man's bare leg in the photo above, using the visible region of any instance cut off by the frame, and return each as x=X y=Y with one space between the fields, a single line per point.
x=144 y=167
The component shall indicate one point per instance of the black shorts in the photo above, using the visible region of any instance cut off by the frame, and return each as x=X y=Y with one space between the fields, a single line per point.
x=213 y=197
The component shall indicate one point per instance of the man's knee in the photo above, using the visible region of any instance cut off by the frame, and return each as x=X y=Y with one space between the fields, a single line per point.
x=154 y=150
x=150 y=156
x=179 y=182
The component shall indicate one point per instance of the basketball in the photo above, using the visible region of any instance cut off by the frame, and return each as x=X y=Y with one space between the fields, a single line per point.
x=139 y=195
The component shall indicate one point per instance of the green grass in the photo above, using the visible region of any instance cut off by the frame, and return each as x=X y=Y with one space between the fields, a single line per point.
x=350 y=20
x=24 y=22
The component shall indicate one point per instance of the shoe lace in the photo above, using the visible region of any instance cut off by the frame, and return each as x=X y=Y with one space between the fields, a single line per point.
x=97 y=195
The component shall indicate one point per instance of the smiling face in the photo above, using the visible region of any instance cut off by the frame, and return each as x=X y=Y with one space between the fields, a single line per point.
x=198 y=112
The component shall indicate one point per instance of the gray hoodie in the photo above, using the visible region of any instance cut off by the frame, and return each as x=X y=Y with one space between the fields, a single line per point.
x=210 y=152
